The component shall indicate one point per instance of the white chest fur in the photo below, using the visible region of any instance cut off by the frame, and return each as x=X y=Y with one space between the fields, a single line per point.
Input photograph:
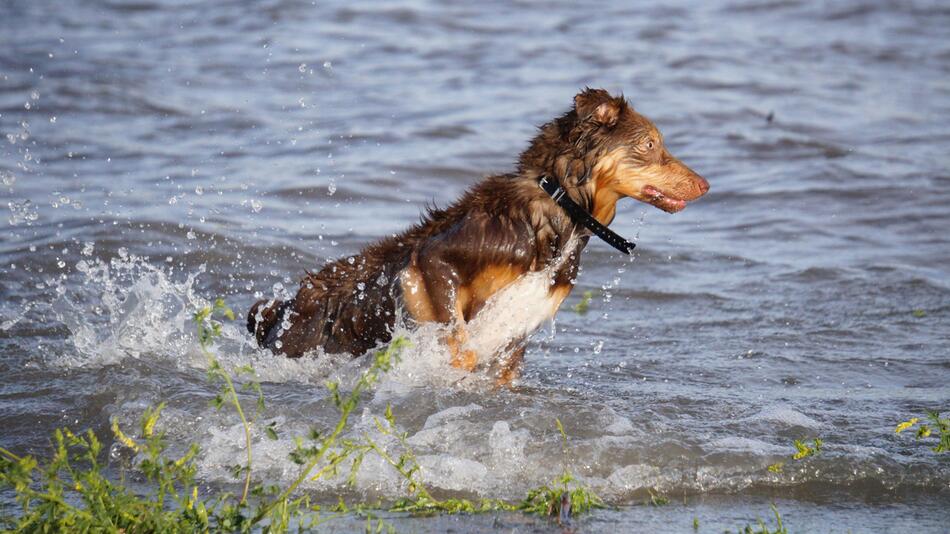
x=517 y=310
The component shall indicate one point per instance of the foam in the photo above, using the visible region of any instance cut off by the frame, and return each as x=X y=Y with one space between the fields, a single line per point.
x=785 y=415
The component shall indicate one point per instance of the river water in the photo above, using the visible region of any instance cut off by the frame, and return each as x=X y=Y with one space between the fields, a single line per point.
x=158 y=153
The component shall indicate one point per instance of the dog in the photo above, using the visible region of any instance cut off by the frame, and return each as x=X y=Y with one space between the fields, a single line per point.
x=496 y=264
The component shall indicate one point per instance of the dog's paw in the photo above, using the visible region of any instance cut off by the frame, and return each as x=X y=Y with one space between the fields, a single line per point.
x=465 y=359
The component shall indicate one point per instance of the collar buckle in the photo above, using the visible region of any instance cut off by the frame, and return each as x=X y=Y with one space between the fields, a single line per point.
x=556 y=194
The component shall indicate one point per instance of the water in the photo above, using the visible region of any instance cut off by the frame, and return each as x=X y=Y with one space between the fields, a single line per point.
x=158 y=154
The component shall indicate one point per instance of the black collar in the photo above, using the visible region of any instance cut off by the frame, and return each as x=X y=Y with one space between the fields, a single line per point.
x=580 y=216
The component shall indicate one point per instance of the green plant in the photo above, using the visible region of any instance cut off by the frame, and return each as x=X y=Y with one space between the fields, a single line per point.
x=925 y=430
x=584 y=304
x=656 y=499
x=208 y=329
x=75 y=495
x=563 y=497
x=803 y=450
x=762 y=528
x=310 y=456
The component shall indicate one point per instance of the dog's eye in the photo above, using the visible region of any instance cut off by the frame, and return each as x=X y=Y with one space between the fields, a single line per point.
x=649 y=145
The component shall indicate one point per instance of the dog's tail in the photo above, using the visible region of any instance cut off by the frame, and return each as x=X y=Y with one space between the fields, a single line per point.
x=263 y=317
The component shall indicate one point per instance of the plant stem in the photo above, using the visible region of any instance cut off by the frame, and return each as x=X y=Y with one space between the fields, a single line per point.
x=10 y=454
x=326 y=444
x=232 y=393
x=420 y=489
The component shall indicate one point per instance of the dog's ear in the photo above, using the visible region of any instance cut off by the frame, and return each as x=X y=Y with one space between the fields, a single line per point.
x=598 y=106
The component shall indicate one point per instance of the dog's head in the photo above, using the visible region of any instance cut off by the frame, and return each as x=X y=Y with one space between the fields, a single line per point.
x=614 y=152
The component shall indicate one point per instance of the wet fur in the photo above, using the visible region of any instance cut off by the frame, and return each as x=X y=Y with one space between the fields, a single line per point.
x=446 y=268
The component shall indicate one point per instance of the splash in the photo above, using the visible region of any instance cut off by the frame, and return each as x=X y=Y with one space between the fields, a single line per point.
x=127 y=308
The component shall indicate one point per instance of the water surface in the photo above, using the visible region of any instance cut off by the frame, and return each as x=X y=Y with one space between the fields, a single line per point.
x=158 y=154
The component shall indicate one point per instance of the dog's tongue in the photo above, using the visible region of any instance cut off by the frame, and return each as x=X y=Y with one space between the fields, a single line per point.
x=658 y=199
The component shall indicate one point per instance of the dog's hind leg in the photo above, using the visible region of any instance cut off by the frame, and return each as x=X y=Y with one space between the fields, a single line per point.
x=263 y=317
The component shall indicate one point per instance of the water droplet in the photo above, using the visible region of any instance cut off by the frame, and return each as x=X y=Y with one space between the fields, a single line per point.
x=331 y=188
x=328 y=65
x=302 y=68
x=199 y=190
x=256 y=205
x=21 y=212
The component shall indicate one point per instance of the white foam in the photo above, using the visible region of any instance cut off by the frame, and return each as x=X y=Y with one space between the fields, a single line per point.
x=740 y=444
x=785 y=415
x=507 y=449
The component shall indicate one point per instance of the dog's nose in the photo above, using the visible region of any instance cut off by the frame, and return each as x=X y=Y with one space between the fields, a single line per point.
x=703 y=185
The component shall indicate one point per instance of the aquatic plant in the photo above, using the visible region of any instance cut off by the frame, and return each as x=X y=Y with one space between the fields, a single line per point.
x=563 y=498
x=208 y=329
x=583 y=305
x=762 y=528
x=926 y=430
x=656 y=499
x=802 y=450
x=71 y=491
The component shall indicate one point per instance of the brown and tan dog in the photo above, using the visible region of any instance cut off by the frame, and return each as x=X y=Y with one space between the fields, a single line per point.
x=496 y=264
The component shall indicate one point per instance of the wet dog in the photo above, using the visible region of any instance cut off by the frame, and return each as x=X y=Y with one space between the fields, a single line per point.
x=497 y=263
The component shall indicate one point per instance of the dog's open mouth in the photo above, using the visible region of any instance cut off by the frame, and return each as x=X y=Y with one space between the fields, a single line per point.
x=666 y=203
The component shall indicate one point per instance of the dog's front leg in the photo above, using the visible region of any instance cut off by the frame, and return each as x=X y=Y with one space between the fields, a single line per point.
x=511 y=367
x=433 y=291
